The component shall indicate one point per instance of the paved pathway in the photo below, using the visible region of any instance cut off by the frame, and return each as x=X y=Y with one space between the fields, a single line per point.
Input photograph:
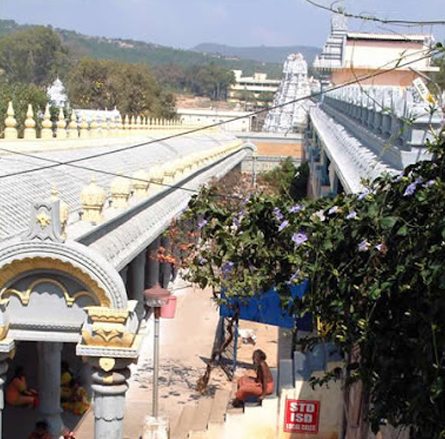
x=186 y=343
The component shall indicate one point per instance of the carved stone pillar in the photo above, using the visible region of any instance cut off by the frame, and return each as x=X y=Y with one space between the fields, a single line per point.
x=49 y=384
x=165 y=271
x=137 y=281
x=152 y=272
x=110 y=384
x=110 y=343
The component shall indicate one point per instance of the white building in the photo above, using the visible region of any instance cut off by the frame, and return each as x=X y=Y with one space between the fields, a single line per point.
x=209 y=116
x=254 y=87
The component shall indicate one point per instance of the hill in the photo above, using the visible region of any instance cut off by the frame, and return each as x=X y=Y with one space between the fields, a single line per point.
x=133 y=51
x=265 y=54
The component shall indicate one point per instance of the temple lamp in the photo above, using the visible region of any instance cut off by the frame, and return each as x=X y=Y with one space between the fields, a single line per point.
x=156 y=297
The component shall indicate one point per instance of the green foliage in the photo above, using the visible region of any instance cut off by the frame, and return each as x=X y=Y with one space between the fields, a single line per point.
x=136 y=52
x=210 y=81
x=439 y=77
x=130 y=87
x=21 y=95
x=33 y=56
x=376 y=268
x=265 y=54
x=287 y=180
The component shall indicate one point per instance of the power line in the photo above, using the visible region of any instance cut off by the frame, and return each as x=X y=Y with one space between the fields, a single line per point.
x=72 y=163
x=407 y=23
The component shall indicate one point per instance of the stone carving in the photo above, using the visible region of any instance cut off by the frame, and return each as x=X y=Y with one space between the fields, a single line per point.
x=30 y=124
x=120 y=190
x=367 y=104
x=93 y=199
x=45 y=223
x=24 y=296
x=109 y=327
x=10 y=123
x=107 y=364
x=47 y=125
x=74 y=259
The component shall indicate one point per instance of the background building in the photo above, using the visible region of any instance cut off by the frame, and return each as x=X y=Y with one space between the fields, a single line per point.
x=252 y=91
x=350 y=55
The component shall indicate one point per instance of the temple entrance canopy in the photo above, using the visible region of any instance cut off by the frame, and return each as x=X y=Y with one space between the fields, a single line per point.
x=53 y=292
x=47 y=286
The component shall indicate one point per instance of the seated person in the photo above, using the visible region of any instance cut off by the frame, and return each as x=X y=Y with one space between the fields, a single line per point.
x=17 y=392
x=40 y=431
x=258 y=386
x=73 y=397
x=65 y=380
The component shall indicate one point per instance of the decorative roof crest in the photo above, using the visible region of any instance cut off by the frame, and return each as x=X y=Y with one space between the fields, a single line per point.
x=45 y=222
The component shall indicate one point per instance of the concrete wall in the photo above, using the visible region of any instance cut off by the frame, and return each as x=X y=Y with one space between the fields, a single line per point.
x=330 y=397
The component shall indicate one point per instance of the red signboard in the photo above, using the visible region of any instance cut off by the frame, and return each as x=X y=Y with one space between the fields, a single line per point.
x=301 y=416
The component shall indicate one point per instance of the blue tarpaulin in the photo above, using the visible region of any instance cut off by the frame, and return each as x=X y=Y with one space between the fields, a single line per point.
x=266 y=308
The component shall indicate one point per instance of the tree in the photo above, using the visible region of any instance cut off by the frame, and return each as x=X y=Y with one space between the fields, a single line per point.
x=439 y=77
x=375 y=263
x=33 y=56
x=287 y=180
x=132 y=88
x=211 y=81
x=21 y=95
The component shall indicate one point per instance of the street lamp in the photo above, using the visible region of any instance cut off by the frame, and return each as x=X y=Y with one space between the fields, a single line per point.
x=156 y=297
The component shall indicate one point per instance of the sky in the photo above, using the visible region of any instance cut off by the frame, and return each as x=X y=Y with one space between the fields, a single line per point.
x=186 y=23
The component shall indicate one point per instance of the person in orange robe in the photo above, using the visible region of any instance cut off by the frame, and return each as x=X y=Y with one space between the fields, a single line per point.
x=258 y=386
x=17 y=392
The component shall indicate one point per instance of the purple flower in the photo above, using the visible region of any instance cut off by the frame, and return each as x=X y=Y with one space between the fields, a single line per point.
x=295 y=209
x=429 y=183
x=283 y=225
x=352 y=215
x=332 y=210
x=202 y=223
x=380 y=247
x=294 y=275
x=299 y=238
x=363 y=246
x=227 y=266
x=202 y=261
x=278 y=214
x=364 y=194
x=410 y=189
x=399 y=177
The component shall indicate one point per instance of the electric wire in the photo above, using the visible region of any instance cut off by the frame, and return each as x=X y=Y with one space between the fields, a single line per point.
x=407 y=23
x=72 y=163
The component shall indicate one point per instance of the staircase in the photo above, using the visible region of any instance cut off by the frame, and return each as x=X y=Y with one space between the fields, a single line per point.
x=215 y=418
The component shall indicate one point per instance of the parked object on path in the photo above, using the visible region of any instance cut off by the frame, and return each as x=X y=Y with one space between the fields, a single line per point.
x=17 y=392
x=40 y=431
x=258 y=386
x=248 y=336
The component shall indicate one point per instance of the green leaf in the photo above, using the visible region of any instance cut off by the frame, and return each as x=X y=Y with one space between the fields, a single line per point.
x=388 y=221
x=403 y=231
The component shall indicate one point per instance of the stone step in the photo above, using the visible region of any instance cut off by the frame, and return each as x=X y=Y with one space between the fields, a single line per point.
x=215 y=430
x=182 y=428
x=201 y=415
x=220 y=404
x=198 y=435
